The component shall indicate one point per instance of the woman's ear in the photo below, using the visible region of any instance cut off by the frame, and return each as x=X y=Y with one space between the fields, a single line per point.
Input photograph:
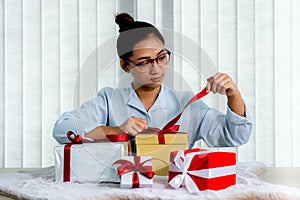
x=124 y=66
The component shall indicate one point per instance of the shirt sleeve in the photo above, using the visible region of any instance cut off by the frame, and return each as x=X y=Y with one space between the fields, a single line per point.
x=84 y=119
x=219 y=130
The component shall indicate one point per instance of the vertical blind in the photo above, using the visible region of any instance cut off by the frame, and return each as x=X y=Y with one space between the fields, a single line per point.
x=49 y=48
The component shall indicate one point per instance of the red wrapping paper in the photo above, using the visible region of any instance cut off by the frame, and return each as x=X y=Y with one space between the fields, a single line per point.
x=202 y=170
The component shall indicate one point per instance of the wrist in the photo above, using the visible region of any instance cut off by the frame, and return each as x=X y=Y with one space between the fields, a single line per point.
x=113 y=130
x=236 y=104
x=234 y=97
x=118 y=130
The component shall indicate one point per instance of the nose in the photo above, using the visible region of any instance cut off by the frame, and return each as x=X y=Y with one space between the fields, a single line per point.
x=155 y=67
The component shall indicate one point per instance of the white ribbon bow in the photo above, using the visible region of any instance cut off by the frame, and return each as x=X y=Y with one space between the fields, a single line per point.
x=182 y=163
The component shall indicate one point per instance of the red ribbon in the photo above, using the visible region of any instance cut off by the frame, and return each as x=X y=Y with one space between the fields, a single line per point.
x=160 y=133
x=67 y=160
x=170 y=127
x=75 y=139
x=137 y=166
x=198 y=96
x=123 y=137
x=195 y=98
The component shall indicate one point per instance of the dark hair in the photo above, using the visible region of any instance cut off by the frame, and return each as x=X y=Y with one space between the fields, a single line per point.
x=132 y=32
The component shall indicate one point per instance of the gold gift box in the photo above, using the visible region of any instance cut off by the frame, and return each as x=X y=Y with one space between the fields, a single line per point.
x=148 y=145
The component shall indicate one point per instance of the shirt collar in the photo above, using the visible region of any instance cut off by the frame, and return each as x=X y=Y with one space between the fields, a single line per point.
x=160 y=102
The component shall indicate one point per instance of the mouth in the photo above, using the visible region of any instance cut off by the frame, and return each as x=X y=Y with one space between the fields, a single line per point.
x=157 y=79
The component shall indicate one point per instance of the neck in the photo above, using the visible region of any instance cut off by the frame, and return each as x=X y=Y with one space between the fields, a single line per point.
x=147 y=95
x=145 y=92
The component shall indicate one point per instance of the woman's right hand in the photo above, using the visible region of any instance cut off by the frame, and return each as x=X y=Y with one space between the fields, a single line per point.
x=133 y=125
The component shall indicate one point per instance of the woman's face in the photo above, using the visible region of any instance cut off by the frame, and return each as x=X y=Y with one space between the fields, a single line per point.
x=149 y=75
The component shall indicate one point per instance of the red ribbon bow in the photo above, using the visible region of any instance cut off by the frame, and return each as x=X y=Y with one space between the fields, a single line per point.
x=74 y=138
x=138 y=166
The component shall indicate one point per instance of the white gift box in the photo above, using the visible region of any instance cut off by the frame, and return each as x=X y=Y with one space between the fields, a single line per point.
x=127 y=179
x=90 y=162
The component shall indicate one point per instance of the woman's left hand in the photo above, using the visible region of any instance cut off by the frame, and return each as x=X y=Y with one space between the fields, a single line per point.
x=222 y=84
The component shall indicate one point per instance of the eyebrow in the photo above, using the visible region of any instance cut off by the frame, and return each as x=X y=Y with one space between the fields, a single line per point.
x=147 y=57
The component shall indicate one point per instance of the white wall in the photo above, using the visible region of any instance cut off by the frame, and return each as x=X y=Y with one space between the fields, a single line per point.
x=49 y=47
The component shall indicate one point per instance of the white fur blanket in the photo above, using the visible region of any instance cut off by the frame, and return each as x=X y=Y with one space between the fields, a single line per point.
x=40 y=184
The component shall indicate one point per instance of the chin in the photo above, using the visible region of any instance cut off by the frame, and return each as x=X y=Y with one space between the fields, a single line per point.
x=151 y=86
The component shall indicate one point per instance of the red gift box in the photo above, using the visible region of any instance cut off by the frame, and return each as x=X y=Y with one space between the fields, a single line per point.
x=198 y=169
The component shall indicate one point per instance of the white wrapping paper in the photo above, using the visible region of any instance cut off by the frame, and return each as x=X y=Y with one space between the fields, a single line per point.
x=90 y=162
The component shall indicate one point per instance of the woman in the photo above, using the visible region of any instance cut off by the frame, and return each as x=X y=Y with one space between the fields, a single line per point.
x=148 y=103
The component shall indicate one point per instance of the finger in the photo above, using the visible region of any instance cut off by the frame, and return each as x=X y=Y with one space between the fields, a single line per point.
x=215 y=83
x=230 y=89
x=211 y=79
x=223 y=89
x=222 y=86
x=219 y=88
x=208 y=85
x=123 y=128
x=137 y=129
x=207 y=88
x=221 y=80
x=131 y=131
x=140 y=122
x=134 y=121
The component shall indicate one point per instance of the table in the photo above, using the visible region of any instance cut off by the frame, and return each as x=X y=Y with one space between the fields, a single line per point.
x=289 y=176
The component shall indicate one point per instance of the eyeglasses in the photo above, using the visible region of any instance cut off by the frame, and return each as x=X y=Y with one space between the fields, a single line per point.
x=160 y=60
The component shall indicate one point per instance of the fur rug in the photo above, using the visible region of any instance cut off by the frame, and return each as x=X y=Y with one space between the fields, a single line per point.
x=40 y=184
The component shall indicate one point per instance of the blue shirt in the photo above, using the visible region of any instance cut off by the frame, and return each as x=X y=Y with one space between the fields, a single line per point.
x=112 y=107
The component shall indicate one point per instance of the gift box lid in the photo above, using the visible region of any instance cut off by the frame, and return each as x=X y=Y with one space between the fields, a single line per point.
x=169 y=138
x=193 y=150
x=214 y=160
x=206 y=159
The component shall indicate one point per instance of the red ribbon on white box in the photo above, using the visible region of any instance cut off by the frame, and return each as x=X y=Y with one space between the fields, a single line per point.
x=182 y=163
x=134 y=169
x=77 y=139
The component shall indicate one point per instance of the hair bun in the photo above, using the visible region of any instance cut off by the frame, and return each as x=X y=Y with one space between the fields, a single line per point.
x=123 y=20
